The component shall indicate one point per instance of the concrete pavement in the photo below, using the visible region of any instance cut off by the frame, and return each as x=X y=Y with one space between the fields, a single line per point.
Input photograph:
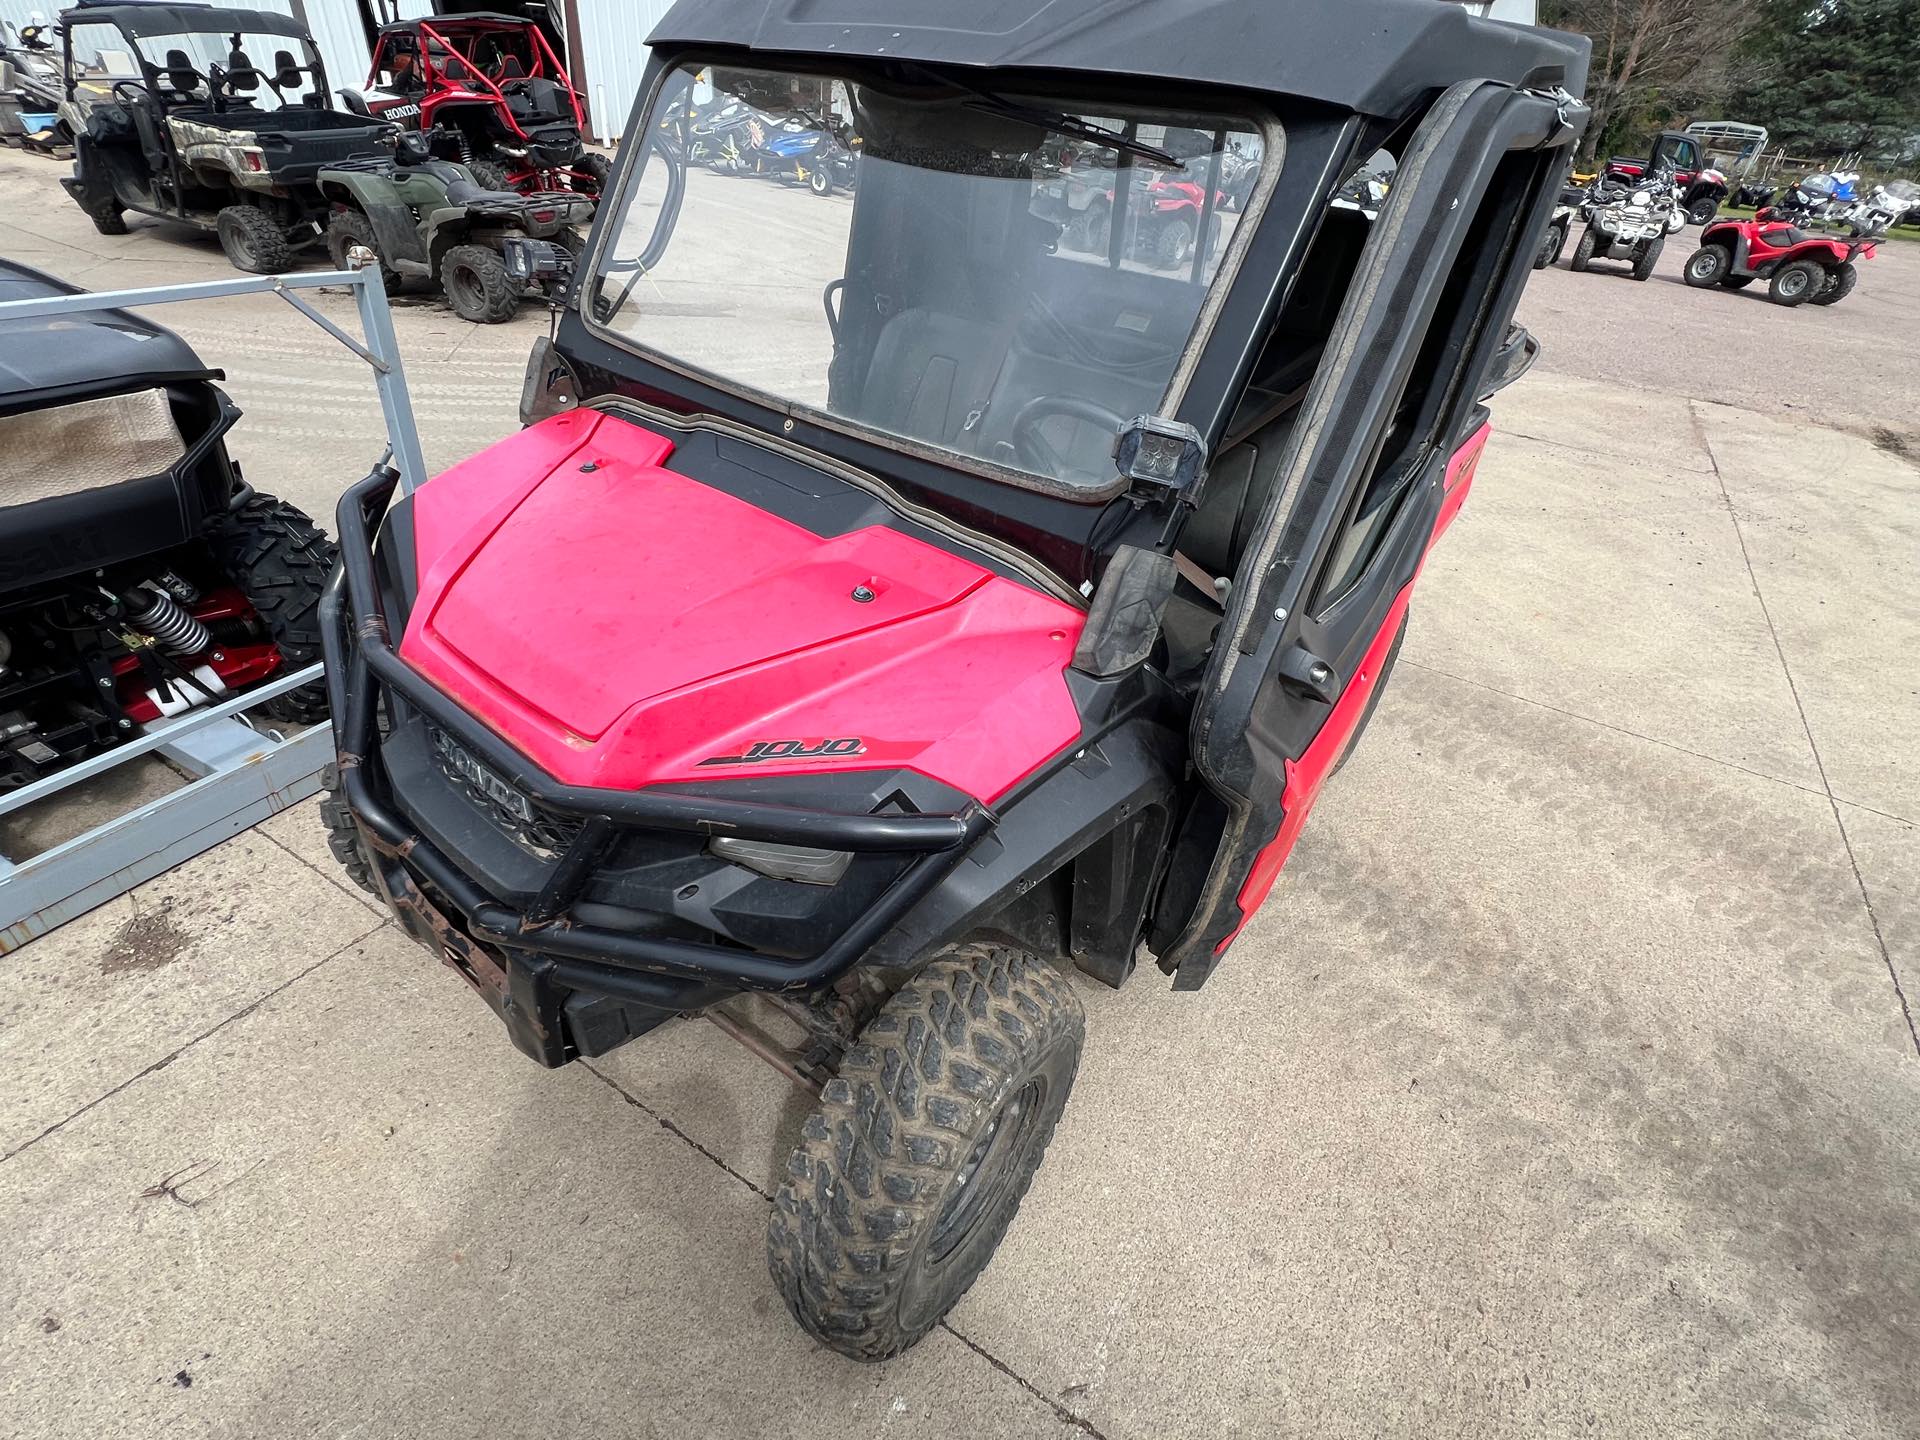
x=1565 y=1085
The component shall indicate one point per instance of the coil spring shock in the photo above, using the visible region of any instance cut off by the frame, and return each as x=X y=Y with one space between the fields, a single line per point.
x=155 y=613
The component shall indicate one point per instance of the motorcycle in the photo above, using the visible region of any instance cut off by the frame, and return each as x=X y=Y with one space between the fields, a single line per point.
x=31 y=87
x=1805 y=202
x=1880 y=211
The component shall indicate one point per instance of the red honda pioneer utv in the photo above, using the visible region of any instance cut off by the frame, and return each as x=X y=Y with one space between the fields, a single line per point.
x=488 y=92
x=948 y=609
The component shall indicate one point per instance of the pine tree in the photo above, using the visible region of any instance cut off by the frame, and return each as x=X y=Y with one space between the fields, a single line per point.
x=1835 y=77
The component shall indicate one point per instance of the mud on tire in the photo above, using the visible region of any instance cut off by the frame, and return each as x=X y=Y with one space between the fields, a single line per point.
x=478 y=286
x=280 y=561
x=253 y=240
x=348 y=228
x=343 y=836
x=913 y=1166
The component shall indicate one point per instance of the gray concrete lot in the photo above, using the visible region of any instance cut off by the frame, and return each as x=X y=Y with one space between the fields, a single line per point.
x=1564 y=1086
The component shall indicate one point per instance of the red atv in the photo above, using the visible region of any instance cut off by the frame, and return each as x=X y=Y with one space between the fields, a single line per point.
x=1168 y=212
x=488 y=92
x=1799 y=268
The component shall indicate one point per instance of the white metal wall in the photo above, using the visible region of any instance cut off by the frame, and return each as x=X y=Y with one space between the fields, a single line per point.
x=337 y=30
x=613 y=39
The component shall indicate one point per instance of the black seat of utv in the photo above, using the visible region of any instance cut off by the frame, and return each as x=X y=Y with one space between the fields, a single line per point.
x=930 y=371
x=962 y=383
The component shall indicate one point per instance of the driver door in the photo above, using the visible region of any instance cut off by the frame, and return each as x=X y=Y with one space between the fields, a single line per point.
x=1676 y=152
x=1383 y=455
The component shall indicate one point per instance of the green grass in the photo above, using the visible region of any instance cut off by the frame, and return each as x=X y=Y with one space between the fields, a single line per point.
x=1899 y=232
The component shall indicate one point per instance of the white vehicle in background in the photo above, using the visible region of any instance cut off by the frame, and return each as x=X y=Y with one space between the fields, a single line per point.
x=1880 y=211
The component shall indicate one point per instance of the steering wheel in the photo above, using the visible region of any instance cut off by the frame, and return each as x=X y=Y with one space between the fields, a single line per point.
x=1034 y=450
x=141 y=92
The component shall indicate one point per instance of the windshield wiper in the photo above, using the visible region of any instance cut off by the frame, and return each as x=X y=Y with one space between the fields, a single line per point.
x=1060 y=123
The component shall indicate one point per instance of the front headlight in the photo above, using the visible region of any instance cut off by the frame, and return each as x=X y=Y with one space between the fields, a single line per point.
x=801 y=863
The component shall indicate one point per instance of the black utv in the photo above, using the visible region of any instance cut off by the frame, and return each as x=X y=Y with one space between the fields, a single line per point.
x=140 y=576
x=221 y=122
x=893 y=621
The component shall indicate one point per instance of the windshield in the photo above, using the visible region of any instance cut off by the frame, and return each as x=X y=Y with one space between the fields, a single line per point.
x=987 y=276
x=263 y=72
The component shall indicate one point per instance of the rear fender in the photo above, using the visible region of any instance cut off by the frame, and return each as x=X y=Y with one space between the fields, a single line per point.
x=445 y=229
x=375 y=197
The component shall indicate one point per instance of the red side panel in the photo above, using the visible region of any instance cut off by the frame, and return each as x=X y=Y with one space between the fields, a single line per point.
x=1306 y=775
x=623 y=625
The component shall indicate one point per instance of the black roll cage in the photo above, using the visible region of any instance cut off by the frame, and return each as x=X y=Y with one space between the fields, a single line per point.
x=315 y=64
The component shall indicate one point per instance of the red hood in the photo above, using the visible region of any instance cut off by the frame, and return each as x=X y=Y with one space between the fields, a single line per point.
x=621 y=623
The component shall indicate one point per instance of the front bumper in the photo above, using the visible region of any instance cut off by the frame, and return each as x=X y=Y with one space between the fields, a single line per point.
x=562 y=986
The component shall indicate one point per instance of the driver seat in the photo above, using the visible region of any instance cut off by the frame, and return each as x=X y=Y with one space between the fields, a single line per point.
x=930 y=372
x=182 y=79
x=1781 y=236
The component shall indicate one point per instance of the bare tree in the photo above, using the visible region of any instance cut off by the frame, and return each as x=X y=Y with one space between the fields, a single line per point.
x=1649 y=49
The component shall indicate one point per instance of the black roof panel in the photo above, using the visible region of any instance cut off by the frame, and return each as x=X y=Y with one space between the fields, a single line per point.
x=143 y=20
x=1370 y=56
x=61 y=357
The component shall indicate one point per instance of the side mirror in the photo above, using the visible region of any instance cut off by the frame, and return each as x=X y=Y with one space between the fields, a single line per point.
x=1514 y=358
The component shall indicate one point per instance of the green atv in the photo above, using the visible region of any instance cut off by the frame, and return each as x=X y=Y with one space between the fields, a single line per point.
x=429 y=219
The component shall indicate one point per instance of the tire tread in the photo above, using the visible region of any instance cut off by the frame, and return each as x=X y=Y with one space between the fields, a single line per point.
x=865 y=1182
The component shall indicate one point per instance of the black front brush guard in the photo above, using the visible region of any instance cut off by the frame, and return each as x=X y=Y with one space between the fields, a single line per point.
x=598 y=959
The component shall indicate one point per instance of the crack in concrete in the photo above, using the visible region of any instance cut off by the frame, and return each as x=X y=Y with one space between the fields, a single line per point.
x=672 y=1129
x=1833 y=801
x=333 y=875
x=1061 y=1412
x=167 y=1060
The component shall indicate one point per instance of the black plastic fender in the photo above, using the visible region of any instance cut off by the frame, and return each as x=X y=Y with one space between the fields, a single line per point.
x=394 y=228
x=1123 y=780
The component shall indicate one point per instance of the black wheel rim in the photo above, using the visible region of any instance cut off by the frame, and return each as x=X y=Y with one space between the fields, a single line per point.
x=466 y=287
x=988 y=1175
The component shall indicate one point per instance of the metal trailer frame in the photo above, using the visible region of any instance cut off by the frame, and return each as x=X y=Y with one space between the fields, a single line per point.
x=242 y=772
